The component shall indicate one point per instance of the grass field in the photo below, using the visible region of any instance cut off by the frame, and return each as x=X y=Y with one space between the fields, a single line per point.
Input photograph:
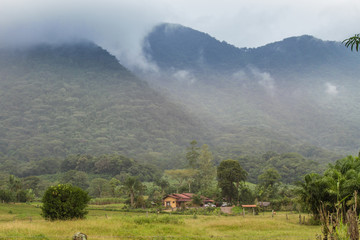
x=23 y=221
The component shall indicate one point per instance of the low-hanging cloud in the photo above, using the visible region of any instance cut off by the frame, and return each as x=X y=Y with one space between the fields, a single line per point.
x=120 y=25
x=331 y=89
x=184 y=76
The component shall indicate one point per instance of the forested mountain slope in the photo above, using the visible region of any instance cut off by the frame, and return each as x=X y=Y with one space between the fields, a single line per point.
x=295 y=91
x=77 y=99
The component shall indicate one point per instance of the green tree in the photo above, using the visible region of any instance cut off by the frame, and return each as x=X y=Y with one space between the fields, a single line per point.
x=311 y=193
x=114 y=186
x=75 y=178
x=193 y=154
x=353 y=42
x=196 y=200
x=337 y=184
x=229 y=175
x=246 y=196
x=7 y=196
x=100 y=187
x=64 y=202
x=182 y=176
x=206 y=170
x=132 y=187
x=269 y=178
x=14 y=183
x=268 y=184
x=163 y=183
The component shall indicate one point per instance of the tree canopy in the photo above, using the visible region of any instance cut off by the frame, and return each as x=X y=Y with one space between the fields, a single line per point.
x=229 y=175
x=337 y=185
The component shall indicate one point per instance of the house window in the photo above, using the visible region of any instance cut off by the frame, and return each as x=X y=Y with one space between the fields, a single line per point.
x=173 y=201
x=168 y=204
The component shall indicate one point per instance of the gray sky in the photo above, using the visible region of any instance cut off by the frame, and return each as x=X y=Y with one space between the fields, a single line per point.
x=120 y=25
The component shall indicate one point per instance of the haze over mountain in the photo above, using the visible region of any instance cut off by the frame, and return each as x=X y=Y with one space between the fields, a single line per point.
x=298 y=90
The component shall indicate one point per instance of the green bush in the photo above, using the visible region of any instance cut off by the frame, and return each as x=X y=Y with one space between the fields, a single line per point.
x=64 y=202
x=6 y=196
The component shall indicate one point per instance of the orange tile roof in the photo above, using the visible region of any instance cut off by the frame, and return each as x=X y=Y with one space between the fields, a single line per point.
x=186 y=197
x=245 y=206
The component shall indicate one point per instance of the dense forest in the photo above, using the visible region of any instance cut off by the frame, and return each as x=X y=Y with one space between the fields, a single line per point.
x=77 y=99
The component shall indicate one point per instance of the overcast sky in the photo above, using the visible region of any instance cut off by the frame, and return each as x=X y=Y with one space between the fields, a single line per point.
x=120 y=25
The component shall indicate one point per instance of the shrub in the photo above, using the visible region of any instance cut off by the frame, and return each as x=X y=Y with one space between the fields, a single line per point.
x=64 y=202
x=6 y=196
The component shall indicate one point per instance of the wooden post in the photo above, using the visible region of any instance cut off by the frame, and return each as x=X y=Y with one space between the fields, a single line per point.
x=287 y=217
x=304 y=220
x=272 y=213
x=253 y=211
x=243 y=212
x=299 y=218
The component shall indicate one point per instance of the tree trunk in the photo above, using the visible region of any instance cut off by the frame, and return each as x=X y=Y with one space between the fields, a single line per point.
x=132 y=199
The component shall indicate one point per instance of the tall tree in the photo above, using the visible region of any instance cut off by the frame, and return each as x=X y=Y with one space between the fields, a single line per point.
x=206 y=169
x=163 y=183
x=230 y=174
x=133 y=187
x=193 y=154
x=182 y=176
x=75 y=178
x=268 y=184
x=269 y=178
x=338 y=183
x=100 y=187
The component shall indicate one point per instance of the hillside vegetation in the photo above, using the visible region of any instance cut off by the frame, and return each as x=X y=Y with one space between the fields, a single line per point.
x=78 y=99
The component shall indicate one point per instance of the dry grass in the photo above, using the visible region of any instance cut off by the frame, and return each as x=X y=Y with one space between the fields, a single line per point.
x=117 y=225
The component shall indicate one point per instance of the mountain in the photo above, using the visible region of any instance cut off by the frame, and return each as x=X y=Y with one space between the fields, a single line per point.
x=76 y=98
x=301 y=90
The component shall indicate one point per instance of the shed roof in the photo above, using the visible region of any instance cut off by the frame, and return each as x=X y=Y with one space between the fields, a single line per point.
x=248 y=206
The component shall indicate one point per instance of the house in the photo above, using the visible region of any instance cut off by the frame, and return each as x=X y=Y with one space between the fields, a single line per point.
x=175 y=200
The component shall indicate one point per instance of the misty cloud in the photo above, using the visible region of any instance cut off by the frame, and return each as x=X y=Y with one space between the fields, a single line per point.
x=265 y=80
x=331 y=89
x=120 y=25
x=184 y=76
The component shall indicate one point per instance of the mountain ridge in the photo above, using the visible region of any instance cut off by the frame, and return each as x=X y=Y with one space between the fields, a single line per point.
x=301 y=86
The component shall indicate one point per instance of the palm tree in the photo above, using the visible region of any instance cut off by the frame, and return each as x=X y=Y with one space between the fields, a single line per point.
x=353 y=41
x=132 y=186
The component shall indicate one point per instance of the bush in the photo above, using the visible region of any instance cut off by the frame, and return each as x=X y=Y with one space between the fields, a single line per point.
x=64 y=202
x=6 y=196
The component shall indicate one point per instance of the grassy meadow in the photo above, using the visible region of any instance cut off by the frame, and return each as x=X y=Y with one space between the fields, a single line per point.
x=23 y=221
